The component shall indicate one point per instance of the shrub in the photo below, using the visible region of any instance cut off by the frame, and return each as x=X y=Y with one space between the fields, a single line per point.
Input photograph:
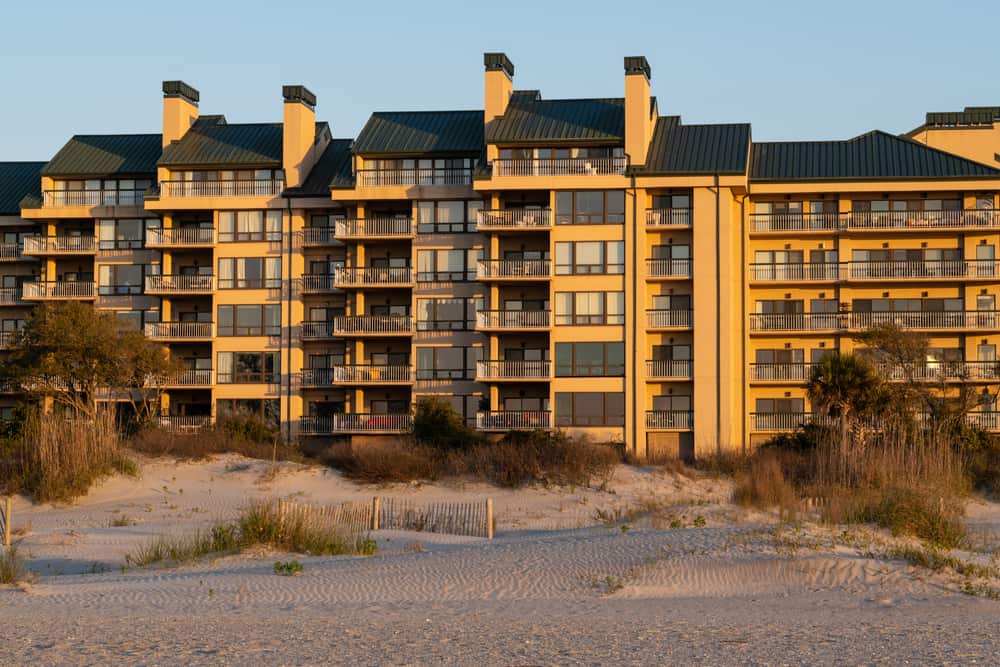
x=289 y=569
x=11 y=565
x=764 y=484
x=388 y=463
x=909 y=511
x=436 y=424
x=248 y=437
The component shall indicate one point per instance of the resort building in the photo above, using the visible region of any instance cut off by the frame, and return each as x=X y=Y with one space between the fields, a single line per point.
x=595 y=265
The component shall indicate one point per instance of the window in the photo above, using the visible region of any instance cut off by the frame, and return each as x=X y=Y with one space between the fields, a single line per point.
x=250 y=273
x=590 y=207
x=423 y=171
x=906 y=305
x=135 y=319
x=676 y=202
x=590 y=359
x=781 y=405
x=447 y=363
x=582 y=257
x=247 y=367
x=672 y=403
x=447 y=314
x=122 y=278
x=249 y=226
x=672 y=302
x=267 y=409
x=447 y=265
x=780 y=307
x=590 y=408
x=447 y=217
x=123 y=234
x=252 y=320
x=590 y=308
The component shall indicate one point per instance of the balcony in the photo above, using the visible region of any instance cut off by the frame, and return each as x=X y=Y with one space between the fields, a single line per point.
x=11 y=252
x=318 y=237
x=36 y=291
x=514 y=420
x=512 y=320
x=179 y=330
x=180 y=284
x=60 y=245
x=515 y=370
x=317 y=331
x=373 y=178
x=794 y=222
x=781 y=372
x=377 y=374
x=668 y=268
x=669 y=369
x=184 y=424
x=796 y=321
x=373 y=276
x=180 y=237
x=669 y=319
x=777 y=421
x=6 y=339
x=943 y=269
x=921 y=220
x=794 y=272
x=570 y=166
x=269 y=187
x=372 y=325
x=513 y=219
x=858 y=321
x=320 y=283
x=668 y=218
x=669 y=420
x=513 y=269
x=942 y=371
x=12 y=296
x=192 y=378
x=374 y=228
x=355 y=423
x=57 y=198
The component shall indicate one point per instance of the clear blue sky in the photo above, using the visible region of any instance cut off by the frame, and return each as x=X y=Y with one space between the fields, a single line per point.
x=796 y=70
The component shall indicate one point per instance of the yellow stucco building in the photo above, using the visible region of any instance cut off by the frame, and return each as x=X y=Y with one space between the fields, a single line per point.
x=582 y=264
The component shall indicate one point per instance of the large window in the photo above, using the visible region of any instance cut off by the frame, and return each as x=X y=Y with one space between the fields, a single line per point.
x=447 y=363
x=250 y=273
x=267 y=409
x=124 y=234
x=906 y=305
x=249 y=226
x=123 y=278
x=590 y=207
x=581 y=257
x=447 y=217
x=447 y=314
x=422 y=171
x=247 y=367
x=254 y=320
x=447 y=265
x=590 y=408
x=590 y=308
x=590 y=359
x=135 y=319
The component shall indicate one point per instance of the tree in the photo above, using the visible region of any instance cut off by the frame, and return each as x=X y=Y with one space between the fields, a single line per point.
x=844 y=387
x=72 y=353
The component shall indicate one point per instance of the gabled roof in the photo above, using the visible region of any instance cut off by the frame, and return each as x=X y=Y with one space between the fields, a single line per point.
x=332 y=169
x=698 y=149
x=970 y=117
x=531 y=120
x=106 y=155
x=875 y=155
x=212 y=142
x=421 y=132
x=17 y=180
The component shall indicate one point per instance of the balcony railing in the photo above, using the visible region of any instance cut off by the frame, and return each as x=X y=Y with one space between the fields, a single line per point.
x=319 y=236
x=939 y=319
x=356 y=423
x=669 y=268
x=12 y=296
x=514 y=420
x=668 y=319
x=316 y=331
x=569 y=166
x=941 y=371
x=920 y=270
x=794 y=222
x=52 y=245
x=422 y=176
x=384 y=227
x=192 y=378
x=795 y=321
x=10 y=252
x=778 y=421
x=318 y=283
x=267 y=187
x=513 y=218
x=512 y=319
x=398 y=325
x=179 y=330
x=93 y=197
x=180 y=237
x=513 y=269
x=179 y=423
x=875 y=220
x=669 y=368
x=669 y=420
x=180 y=284
x=373 y=276
x=668 y=217
x=781 y=371
x=59 y=290
x=373 y=374
x=6 y=339
x=797 y=271
x=501 y=369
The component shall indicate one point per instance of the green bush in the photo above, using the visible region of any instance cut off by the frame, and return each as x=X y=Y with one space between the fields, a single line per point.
x=11 y=565
x=289 y=569
x=437 y=425
x=907 y=511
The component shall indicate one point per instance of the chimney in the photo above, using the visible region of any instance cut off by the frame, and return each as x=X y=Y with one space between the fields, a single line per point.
x=298 y=134
x=499 y=84
x=180 y=110
x=638 y=115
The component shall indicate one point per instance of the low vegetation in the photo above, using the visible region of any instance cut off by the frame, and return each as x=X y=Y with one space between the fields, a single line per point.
x=11 y=566
x=247 y=435
x=287 y=569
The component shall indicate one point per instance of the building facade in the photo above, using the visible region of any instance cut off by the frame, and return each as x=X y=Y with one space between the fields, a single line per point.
x=581 y=264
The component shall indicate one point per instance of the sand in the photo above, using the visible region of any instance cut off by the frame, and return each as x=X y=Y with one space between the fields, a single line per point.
x=557 y=586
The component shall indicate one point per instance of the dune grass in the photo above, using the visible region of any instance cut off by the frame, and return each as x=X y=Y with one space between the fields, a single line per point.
x=11 y=566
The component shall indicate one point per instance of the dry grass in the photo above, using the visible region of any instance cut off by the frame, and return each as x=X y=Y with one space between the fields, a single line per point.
x=11 y=566
x=764 y=485
x=218 y=440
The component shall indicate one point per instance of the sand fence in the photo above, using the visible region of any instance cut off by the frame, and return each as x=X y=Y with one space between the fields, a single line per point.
x=6 y=510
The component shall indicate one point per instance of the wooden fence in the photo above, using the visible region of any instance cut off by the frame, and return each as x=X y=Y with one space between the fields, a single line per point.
x=473 y=519
x=6 y=511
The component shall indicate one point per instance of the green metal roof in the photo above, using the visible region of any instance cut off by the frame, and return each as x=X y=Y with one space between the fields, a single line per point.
x=697 y=149
x=106 y=155
x=18 y=180
x=332 y=169
x=875 y=155
x=213 y=142
x=421 y=132
x=531 y=120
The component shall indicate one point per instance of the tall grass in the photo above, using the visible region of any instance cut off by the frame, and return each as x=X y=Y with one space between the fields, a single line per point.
x=11 y=565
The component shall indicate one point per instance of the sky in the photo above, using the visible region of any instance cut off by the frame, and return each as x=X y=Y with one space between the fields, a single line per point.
x=795 y=70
